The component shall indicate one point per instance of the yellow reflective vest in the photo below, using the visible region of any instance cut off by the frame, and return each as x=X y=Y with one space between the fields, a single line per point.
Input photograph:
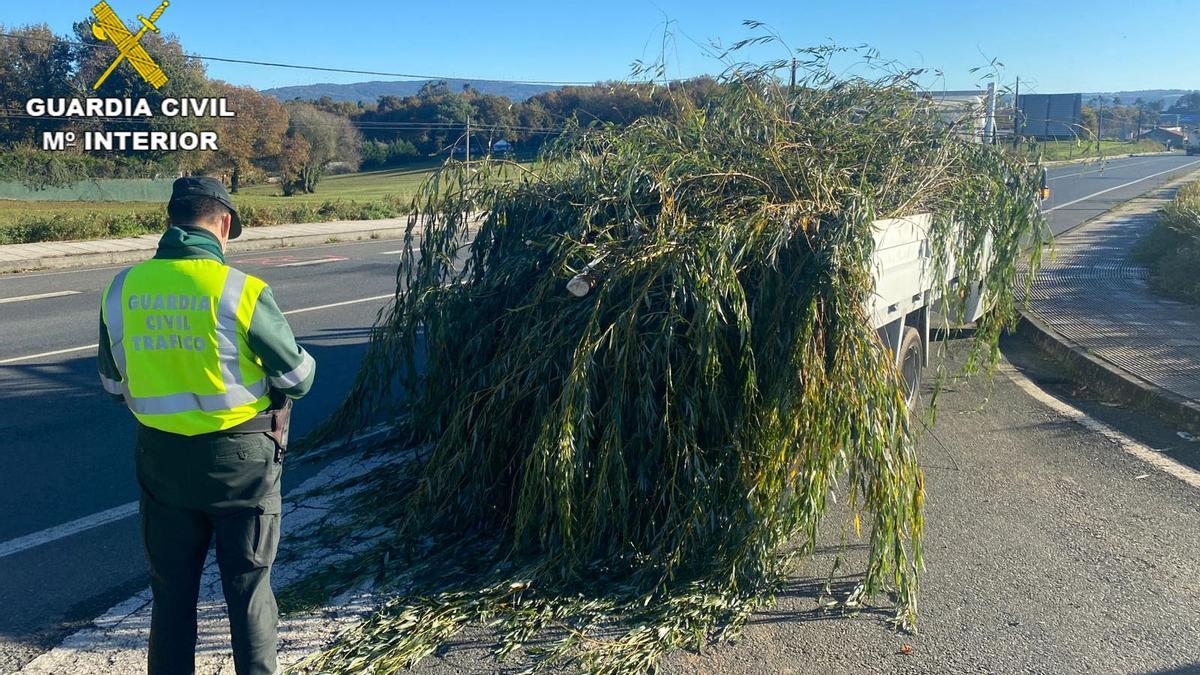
x=178 y=335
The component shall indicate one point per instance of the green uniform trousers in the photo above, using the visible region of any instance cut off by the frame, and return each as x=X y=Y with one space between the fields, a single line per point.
x=195 y=489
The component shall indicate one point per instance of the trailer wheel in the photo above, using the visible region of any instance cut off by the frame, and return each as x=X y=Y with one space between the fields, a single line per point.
x=912 y=359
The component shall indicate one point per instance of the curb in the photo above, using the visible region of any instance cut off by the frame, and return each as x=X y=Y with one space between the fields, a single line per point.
x=1107 y=378
x=1090 y=370
x=102 y=258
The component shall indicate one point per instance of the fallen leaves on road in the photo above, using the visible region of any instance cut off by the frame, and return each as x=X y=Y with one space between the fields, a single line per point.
x=906 y=650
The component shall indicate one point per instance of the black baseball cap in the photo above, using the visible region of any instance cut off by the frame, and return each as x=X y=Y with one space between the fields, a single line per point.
x=203 y=186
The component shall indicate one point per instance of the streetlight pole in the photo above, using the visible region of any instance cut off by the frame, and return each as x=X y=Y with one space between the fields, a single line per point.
x=989 y=122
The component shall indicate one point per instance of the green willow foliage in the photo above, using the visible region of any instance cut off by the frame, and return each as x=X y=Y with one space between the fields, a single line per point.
x=647 y=455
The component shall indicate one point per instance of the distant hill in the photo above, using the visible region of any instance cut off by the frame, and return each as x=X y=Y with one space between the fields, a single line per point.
x=1168 y=96
x=369 y=92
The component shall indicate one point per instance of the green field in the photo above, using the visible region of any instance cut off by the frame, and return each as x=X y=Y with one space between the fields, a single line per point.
x=361 y=196
x=374 y=186
x=361 y=187
x=1052 y=151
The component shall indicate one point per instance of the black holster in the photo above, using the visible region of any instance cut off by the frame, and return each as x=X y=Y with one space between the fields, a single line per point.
x=281 y=424
x=275 y=422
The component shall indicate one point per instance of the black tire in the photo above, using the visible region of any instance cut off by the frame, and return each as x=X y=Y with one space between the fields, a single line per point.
x=912 y=362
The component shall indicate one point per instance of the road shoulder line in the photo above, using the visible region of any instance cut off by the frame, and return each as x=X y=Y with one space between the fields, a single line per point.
x=1038 y=324
x=65 y=530
x=1128 y=445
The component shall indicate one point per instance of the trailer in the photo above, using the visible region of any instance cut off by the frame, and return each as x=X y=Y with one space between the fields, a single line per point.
x=908 y=300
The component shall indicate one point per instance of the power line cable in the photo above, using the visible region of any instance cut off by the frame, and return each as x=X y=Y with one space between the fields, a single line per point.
x=323 y=69
x=362 y=126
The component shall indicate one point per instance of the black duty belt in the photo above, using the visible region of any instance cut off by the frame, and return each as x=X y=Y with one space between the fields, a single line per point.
x=262 y=423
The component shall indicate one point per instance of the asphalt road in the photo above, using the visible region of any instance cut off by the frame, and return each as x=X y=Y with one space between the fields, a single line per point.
x=67 y=460
x=68 y=449
x=1079 y=192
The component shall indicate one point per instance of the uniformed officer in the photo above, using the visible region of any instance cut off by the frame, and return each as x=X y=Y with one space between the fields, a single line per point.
x=208 y=365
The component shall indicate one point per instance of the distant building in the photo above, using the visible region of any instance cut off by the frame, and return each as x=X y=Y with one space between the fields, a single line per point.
x=502 y=147
x=1172 y=135
x=1050 y=116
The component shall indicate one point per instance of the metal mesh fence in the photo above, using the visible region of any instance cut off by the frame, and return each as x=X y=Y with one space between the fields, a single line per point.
x=111 y=190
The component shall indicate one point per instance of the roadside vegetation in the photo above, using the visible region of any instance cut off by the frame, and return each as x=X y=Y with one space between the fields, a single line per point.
x=126 y=220
x=1172 y=249
x=362 y=196
x=632 y=467
x=1053 y=151
x=368 y=196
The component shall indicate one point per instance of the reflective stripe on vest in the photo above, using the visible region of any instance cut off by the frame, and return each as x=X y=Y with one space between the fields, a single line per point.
x=185 y=410
x=115 y=320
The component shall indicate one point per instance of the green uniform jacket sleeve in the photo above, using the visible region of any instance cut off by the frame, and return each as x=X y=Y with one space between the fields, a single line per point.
x=110 y=377
x=289 y=368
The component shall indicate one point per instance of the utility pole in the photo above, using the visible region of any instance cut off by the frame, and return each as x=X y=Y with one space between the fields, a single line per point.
x=1099 y=124
x=792 y=86
x=1017 y=116
x=468 y=138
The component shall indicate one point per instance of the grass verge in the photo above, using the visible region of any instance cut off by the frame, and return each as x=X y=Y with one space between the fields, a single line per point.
x=79 y=223
x=1172 y=249
x=1055 y=151
x=370 y=195
x=363 y=196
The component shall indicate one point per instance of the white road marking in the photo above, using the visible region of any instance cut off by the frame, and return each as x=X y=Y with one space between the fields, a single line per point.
x=400 y=252
x=1130 y=446
x=1118 y=187
x=67 y=529
x=121 y=512
x=34 y=357
x=1097 y=170
x=38 y=296
x=340 y=304
x=306 y=263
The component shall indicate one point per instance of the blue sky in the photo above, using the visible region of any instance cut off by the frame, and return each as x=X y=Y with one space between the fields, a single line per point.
x=1063 y=46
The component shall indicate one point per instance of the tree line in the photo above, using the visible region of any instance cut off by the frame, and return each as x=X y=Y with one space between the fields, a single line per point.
x=1110 y=118
x=435 y=121
x=295 y=141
